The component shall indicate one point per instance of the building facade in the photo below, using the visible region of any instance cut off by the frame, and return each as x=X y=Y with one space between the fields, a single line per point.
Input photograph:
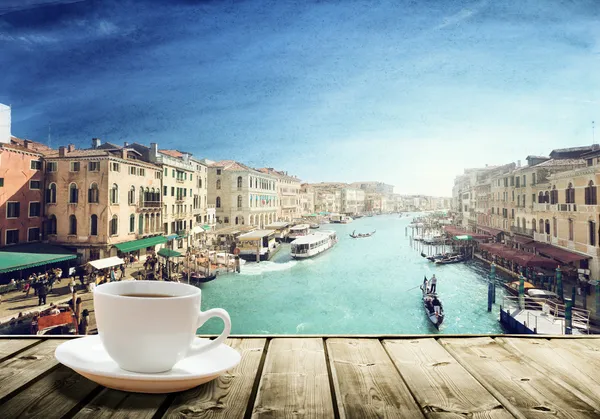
x=288 y=194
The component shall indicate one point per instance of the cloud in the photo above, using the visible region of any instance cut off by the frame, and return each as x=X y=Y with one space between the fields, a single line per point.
x=9 y=6
x=462 y=15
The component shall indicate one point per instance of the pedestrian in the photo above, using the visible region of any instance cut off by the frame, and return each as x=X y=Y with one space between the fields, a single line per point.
x=433 y=282
x=42 y=291
x=84 y=323
x=112 y=275
x=72 y=285
x=122 y=271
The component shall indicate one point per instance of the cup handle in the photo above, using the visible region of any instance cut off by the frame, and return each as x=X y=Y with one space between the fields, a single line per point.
x=202 y=318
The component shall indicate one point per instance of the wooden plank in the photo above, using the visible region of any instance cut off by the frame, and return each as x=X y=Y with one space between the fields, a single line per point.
x=442 y=387
x=24 y=367
x=589 y=350
x=227 y=396
x=10 y=346
x=295 y=382
x=514 y=382
x=115 y=404
x=51 y=397
x=366 y=383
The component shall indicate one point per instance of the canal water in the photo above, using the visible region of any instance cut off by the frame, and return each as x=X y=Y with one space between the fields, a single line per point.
x=360 y=286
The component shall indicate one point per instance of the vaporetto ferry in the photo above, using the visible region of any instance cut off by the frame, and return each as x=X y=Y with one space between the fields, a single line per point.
x=313 y=244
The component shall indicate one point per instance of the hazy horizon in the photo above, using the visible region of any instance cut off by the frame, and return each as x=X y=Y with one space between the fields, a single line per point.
x=400 y=92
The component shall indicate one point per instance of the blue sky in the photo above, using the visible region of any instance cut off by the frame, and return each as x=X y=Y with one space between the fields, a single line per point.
x=406 y=92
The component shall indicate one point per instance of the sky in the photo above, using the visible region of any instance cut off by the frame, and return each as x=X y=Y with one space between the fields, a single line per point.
x=405 y=92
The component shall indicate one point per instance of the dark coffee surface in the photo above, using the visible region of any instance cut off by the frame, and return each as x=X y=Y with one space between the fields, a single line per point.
x=140 y=295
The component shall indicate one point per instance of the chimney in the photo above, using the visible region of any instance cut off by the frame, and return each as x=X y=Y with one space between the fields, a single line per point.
x=4 y=124
x=62 y=151
x=125 y=144
x=71 y=148
x=154 y=149
x=27 y=144
x=186 y=157
x=95 y=142
x=124 y=153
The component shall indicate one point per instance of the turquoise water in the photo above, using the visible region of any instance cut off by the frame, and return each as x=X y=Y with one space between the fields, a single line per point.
x=360 y=286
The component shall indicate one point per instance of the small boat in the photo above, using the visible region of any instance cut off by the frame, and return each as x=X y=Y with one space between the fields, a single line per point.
x=440 y=256
x=315 y=226
x=435 y=318
x=450 y=259
x=202 y=278
x=362 y=235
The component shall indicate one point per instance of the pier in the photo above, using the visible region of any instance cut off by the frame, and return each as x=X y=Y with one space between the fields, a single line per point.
x=332 y=377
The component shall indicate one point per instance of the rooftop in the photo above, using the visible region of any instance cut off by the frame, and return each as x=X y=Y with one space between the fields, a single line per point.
x=562 y=162
x=256 y=234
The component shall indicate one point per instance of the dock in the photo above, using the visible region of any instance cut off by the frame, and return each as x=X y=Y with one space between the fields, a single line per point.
x=422 y=376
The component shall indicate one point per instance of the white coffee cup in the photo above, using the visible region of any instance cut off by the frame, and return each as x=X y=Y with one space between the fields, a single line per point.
x=150 y=334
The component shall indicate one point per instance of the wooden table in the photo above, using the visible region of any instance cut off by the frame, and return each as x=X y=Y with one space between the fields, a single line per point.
x=333 y=377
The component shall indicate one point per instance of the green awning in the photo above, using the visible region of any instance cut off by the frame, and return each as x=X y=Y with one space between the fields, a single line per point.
x=206 y=227
x=463 y=237
x=26 y=256
x=168 y=253
x=140 y=244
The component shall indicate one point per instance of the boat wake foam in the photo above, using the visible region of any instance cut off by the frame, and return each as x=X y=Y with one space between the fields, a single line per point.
x=266 y=267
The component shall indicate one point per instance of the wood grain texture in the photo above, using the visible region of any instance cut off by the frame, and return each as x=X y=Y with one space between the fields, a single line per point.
x=10 y=346
x=567 y=369
x=17 y=371
x=366 y=383
x=521 y=385
x=295 y=381
x=115 y=404
x=442 y=387
x=51 y=397
x=588 y=350
x=227 y=396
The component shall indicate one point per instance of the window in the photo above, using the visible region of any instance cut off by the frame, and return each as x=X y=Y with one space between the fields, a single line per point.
x=72 y=225
x=570 y=229
x=75 y=165
x=218 y=171
x=592 y=229
x=218 y=183
x=554 y=227
x=533 y=198
x=132 y=223
x=591 y=197
x=73 y=193
x=1 y=182
x=132 y=170
x=13 y=209
x=570 y=194
x=518 y=180
x=51 y=166
x=34 y=184
x=226 y=220
x=218 y=203
x=554 y=195
x=93 y=166
x=142 y=172
x=12 y=237
x=166 y=172
x=51 y=225
x=199 y=182
x=172 y=191
x=114 y=225
x=93 y=194
x=518 y=200
x=114 y=194
x=33 y=234
x=533 y=179
x=36 y=165
x=524 y=180
x=94 y=225
x=156 y=175
x=131 y=196
x=239 y=201
x=115 y=167
x=165 y=190
x=239 y=182
x=35 y=209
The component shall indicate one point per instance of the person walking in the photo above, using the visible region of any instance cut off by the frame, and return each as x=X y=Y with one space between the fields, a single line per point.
x=122 y=271
x=42 y=290
x=433 y=282
x=72 y=285
x=83 y=323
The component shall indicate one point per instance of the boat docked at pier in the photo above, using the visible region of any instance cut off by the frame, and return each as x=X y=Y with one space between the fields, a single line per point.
x=313 y=244
x=433 y=306
x=450 y=259
x=298 y=231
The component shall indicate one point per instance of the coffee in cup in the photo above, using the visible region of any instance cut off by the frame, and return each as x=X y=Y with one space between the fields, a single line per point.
x=148 y=326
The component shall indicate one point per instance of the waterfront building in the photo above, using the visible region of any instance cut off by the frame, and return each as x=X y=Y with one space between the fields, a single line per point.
x=374 y=187
x=307 y=199
x=288 y=194
x=353 y=201
x=327 y=199
x=241 y=195
x=100 y=197
x=204 y=214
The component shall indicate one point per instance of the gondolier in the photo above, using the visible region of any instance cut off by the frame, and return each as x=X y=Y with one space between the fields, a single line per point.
x=433 y=282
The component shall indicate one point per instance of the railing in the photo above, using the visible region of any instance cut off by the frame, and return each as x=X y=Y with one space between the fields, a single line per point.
x=541 y=207
x=565 y=207
x=151 y=204
x=588 y=208
x=521 y=230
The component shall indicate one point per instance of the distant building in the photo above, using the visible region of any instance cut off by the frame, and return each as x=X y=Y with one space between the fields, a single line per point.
x=374 y=187
x=288 y=191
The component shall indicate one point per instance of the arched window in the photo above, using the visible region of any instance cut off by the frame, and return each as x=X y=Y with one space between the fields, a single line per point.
x=570 y=194
x=141 y=196
x=554 y=195
x=114 y=225
x=132 y=223
x=94 y=225
x=534 y=225
x=51 y=225
x=591 y=197
x=93 y=194
x=114 y=194
x=72 y=225
x=546 y=197
x=239 y=182
x=241 y=219
x=51 y=194
x=239 y=201
x=237 y=220
x=218 y=183
x=218 y=203
x=547 y=227
x=571 y=232
x=73 y=193
x=131 y=196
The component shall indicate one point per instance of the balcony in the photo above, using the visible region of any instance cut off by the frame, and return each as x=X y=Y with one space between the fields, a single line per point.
x=592 y=209
x=150 y=204
x=523 y=231
x=565 y=207
x=537 y=207
x=542 y=237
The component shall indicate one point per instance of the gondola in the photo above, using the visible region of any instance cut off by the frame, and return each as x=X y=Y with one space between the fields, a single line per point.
x=435 y=319
x=451 y=259
x=199 y=278
x=439 y=256
x=362 y=236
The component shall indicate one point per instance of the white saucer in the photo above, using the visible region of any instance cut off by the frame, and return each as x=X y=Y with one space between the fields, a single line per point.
x=88 y=357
